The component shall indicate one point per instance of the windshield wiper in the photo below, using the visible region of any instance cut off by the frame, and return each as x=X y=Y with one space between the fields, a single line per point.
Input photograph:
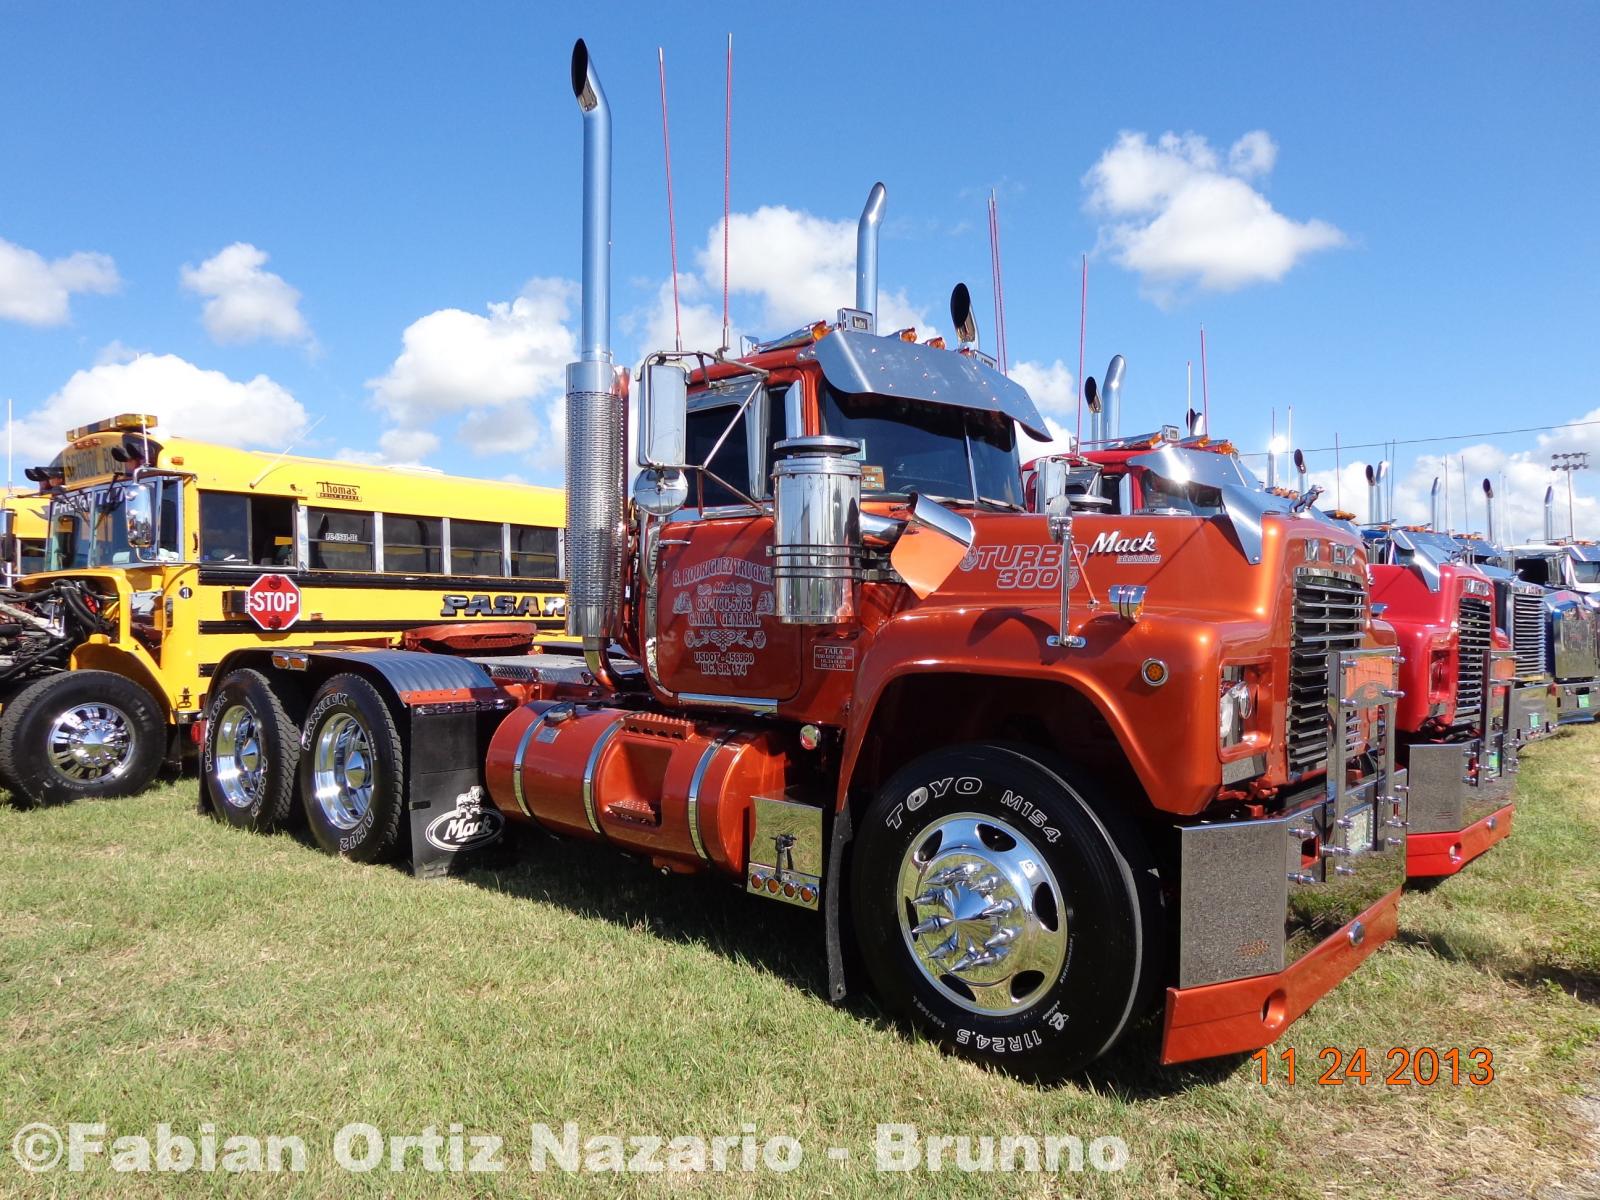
x=1003 y=505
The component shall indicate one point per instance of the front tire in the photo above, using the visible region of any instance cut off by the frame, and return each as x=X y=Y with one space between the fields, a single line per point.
x=251 y=751
x=352 y=771
x=997 y=910
x=81 y=735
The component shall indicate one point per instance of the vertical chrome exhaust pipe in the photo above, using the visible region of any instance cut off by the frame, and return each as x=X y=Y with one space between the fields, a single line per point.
x=1433 y=507
x=594 y=393
x=1111 y=399
x=1374 y=498
x=1550 y=514
x=867 y=252
x=1489 y=514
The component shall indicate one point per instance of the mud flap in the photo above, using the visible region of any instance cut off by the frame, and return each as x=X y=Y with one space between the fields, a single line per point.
x=453 y=823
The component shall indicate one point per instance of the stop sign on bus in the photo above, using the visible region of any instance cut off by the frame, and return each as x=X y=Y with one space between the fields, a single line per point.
x=273 y=602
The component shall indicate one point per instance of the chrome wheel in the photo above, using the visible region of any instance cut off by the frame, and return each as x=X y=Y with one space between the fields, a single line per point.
x=341 y=771
x=237 y=758
x=982 y=914
x=90 y=743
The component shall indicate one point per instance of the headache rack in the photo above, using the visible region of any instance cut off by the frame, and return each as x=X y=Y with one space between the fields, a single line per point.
x=1327 y=616
x=1475 y=625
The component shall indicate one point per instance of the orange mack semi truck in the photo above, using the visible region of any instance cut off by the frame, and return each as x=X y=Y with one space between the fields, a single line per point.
x=1040 y=770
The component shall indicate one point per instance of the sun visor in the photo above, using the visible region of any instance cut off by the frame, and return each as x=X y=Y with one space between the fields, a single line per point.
x=858 y=363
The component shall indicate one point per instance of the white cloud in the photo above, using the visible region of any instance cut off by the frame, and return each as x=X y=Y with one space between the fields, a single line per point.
x=785 y=268
x=1052 y=387
x=38 y=291
x=244 y=301
x=1175 y=215
x=1519 y=478
x=501 y=374
x=186 y=399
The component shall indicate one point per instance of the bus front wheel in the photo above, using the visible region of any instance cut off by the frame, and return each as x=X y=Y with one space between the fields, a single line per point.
x=81 y=735
x=252 y=748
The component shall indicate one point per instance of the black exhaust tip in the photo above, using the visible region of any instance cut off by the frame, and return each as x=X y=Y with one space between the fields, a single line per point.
x=961 y=313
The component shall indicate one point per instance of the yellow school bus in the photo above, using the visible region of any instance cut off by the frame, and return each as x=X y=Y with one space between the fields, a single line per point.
x=22 y=526
x=163 y=555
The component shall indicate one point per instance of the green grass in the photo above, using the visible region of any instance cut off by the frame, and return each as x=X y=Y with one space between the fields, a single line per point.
x=156 y=966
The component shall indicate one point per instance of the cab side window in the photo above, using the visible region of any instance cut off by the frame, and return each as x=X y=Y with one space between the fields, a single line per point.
x=413 y=545
x=767 y=414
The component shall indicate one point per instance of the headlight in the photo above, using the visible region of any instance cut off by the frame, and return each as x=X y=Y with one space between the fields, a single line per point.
x=1233 y=707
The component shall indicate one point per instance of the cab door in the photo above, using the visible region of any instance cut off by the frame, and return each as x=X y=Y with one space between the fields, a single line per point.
x=715 y=626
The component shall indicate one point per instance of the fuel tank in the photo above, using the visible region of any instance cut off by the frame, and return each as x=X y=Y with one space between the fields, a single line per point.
x=675 y=790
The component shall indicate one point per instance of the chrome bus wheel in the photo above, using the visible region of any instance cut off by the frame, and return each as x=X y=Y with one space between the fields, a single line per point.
x=237 y=757
x=90 y=743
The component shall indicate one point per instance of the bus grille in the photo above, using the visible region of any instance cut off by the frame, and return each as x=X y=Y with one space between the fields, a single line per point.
x=1476 y=637
x=1528 y=632
x=1327 y=616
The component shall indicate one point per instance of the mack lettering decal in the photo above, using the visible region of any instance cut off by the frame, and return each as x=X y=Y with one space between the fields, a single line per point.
x=490 y=606
x=1114 y=543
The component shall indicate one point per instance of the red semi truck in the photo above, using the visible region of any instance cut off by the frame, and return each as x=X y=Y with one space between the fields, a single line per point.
x=1461 y=722
x=1039 y=770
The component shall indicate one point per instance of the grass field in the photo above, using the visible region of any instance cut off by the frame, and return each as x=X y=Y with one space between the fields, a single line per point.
x=158 y=967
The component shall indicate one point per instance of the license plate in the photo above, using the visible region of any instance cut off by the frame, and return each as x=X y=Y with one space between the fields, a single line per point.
x=1583 y=700
x=1492 y=762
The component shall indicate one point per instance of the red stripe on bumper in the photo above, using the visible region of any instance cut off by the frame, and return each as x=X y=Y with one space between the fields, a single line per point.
x=1429 y=855
x=1246 y=1014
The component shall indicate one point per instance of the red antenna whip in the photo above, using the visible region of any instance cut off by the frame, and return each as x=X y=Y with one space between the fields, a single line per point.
x=727 y=179
x=999 y=284
x=672 y=224
x=1083 y=325
x=1205 y=387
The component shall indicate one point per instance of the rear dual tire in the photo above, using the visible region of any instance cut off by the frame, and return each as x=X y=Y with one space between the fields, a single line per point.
x=352 y=771
x=251 y=750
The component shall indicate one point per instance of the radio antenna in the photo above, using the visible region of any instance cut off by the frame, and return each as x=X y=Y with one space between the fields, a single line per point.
x=672 y=224
x=1205 y=385
x=284 y=453
x=727 y=185
x=11 y=449
x=1083 y=326
x=1338 y=469
x=999 y=285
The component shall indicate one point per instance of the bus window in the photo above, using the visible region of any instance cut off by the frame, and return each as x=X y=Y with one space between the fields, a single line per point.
x=475 y=548
x=340 y=541
x=246 y=530
x=33 y=555
x=413 y=545
x=533 y=552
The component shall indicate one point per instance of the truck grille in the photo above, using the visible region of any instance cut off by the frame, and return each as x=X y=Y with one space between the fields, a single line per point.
x=1476 y=625
x=1327 y=616
x=1528 y=632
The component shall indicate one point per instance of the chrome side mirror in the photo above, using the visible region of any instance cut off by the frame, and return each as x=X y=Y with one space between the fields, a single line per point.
x=663 y=416
x=139 y=515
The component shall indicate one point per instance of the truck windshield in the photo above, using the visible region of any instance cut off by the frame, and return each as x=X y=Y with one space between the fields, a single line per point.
x=89 y=529
x=935 y=450
x=1585 y=572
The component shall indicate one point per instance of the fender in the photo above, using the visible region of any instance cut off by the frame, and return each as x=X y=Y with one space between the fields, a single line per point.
x=1179 y=767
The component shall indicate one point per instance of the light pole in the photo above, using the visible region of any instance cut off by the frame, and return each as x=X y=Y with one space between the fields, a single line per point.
x=1577 y=460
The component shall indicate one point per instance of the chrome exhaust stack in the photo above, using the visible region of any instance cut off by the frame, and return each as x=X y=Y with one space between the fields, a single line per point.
x=867 y=252
x=1550 y=514
x=1374 y=497
x=1433 y=506
x=1489 y=514
x=1111 y=399
x=595 y=405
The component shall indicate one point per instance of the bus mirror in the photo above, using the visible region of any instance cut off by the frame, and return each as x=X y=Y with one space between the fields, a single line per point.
x=664 y=416
x=139 y=512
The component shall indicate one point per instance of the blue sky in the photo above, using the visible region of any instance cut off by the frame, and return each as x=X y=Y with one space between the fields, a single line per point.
x=1403 y=246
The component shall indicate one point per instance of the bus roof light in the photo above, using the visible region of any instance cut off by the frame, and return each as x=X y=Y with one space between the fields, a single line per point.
x=122 y=423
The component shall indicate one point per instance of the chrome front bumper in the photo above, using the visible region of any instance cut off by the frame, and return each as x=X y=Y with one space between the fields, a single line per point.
x=1577 y=703
x=1455 y=784
x=1256 y=895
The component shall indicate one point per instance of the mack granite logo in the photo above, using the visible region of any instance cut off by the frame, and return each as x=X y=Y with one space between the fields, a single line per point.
x=470 y=823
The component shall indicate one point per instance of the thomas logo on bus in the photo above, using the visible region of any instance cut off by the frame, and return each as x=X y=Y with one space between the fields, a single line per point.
x=273 y=602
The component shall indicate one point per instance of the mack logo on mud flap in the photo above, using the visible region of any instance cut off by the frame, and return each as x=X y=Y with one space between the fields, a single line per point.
x=470 y=823
x=490 y=606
